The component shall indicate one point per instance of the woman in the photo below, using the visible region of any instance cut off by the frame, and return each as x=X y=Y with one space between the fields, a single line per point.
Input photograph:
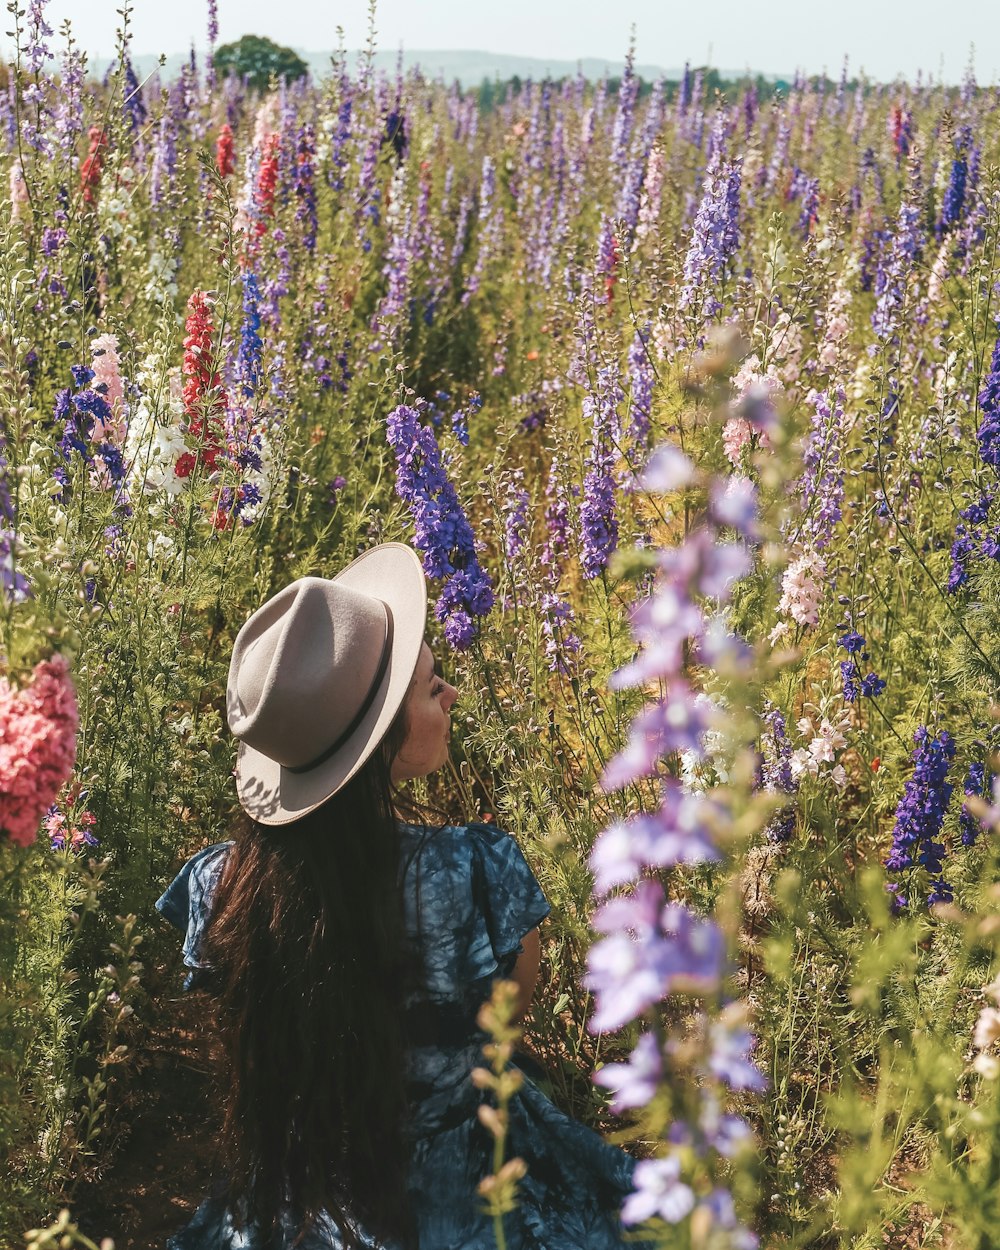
x=349 y=953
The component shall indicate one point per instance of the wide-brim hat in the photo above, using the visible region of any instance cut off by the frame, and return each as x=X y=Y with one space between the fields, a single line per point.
x=318 y=675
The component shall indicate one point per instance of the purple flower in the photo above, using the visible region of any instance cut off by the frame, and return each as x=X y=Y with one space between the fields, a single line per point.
x=672 y=951
x=515 y=516
x=598 y=519
x=734 y=503
x=894 y=274
x=729 y=1058
x=852 y=642
x=675 y=723
x=975 y=783
x=921 y=809
x=667 y=469
x=633 y=1084
x=561 y=643
x=305 y=186
x=249 y=366
x=678 y=832
x=776 y=774
x=954 y=197
x=872 y=686
x=715 y=236
x=962 y=549
x=660 y=1191
x=640 y=372
x=821 y=486
x=988 y=434
x=442 y=533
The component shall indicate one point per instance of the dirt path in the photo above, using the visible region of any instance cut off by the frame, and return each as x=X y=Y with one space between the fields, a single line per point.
x=161 y=1169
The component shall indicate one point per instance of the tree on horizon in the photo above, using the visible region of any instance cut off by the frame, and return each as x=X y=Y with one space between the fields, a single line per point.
x=258 y=60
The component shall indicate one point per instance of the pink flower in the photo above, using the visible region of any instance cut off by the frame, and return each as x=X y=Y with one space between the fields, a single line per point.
x=18 y=189
x=802 y=588
x=736 y=434
x=38 y=725
x=107 y=373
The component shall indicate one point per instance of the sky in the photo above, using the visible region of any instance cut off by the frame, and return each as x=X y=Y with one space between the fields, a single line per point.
x=884 y=38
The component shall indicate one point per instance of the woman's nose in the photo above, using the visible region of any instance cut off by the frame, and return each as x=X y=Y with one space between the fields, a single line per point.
x=450 y=695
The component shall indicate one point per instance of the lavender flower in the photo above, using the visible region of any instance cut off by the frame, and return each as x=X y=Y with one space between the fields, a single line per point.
x=821 y=486
x=716 y=234
x=640 y=372
x=893 y=276
x=776 y=774
x=305 y=188
x=515 y=516
x=658 y=1191
x=442 y=534
x=633 y=1084
x=598 y=517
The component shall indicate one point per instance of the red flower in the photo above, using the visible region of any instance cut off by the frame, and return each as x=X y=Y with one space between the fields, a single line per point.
x=90 y=170
x=224 y=152
x=267 y=181
x=204 y=401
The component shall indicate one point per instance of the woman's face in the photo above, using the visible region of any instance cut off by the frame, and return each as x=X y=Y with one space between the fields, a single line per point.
x=428 y=719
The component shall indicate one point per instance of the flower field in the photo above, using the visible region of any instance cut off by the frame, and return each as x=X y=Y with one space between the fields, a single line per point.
x=691 y=404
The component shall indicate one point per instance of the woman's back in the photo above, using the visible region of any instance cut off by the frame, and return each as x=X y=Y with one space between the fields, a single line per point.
x=469 y=900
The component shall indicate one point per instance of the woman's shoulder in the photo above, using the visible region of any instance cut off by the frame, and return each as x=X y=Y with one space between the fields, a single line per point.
x=461 y=843
x=191 y=885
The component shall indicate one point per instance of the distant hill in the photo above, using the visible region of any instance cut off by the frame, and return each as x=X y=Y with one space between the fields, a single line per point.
x=469 y=68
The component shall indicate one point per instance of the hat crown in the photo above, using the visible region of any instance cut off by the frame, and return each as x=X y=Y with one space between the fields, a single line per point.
x=303 y=667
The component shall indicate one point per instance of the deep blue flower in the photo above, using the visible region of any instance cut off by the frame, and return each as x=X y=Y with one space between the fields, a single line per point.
x=442 y=533
x=953 y=202
x=988 y=434
x=872 y=686
x=961 y=549
x=975 y=783
x=921 y=811
x=249 y=361
x=852 y=642
x=851 y=678
x=977 y=512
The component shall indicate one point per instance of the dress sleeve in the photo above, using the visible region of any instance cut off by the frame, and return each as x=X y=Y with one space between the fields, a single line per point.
x=187 y=902
x=508 y=900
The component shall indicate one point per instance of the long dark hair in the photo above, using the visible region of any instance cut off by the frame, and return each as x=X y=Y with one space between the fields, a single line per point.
x=312 y=966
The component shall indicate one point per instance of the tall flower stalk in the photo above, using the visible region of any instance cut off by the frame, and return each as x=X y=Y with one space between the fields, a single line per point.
x=655 y=949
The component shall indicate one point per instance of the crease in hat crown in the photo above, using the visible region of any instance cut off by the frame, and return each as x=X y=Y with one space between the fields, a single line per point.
x=302 y=667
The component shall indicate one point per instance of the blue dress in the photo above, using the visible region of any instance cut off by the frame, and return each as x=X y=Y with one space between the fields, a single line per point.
x=476 y=900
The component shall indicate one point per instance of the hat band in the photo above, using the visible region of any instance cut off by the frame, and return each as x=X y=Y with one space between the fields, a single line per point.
x=363 y=710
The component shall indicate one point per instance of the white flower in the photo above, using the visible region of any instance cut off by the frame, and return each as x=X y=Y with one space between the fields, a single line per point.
x=987 y=1028
x=803 y=761
x=838 y=776
x=821 y=750
x=987 y=1066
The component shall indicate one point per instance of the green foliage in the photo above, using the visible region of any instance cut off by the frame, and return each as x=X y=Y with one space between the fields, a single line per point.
x=259 y=60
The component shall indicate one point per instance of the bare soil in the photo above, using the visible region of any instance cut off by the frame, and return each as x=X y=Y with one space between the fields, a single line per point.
x=161 y=1163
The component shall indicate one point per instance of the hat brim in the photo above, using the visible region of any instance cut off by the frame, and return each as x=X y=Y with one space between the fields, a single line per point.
x=271 y=794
